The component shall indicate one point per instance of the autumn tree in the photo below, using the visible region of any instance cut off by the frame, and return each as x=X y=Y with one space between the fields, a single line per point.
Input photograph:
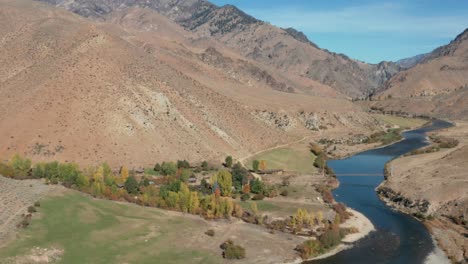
x=254 y=208
x=123 y=174
x=224 y=179
x=246 y=188
x=98 y=175
x=262 y=166
x=194 y=203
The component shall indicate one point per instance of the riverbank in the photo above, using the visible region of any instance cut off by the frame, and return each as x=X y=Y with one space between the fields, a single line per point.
x=432 y=186
x=358 y=221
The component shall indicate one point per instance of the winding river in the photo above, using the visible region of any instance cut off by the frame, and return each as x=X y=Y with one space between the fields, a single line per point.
x=398 y=238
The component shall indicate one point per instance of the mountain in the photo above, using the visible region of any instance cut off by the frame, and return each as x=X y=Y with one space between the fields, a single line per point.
x=284 y=49
x=136 y=88
x=436 y=86
x=411 y=61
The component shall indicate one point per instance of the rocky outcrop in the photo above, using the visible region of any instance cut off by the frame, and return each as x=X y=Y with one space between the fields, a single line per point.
x=397 y=200
x=310 y=121
x=278 y=120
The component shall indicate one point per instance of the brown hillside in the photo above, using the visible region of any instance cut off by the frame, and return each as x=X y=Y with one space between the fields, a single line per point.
x=76 y=90
x=284 y=49
x=437 y=86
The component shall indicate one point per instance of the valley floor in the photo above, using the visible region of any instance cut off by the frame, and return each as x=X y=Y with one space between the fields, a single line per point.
x=71 y=227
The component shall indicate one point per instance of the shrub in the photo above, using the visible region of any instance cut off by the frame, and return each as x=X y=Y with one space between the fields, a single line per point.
x=228 y=161
x=157 y=167
x=316 y=149
x=32 y=209
x=255 y=165
x=204 y=165
x=245 y=197
x=6 y=170
x=284 y=193
x=25 y=222
x=320 y=161
x=340 y=209
x=309 y=248
x=210 y=232
x=331 y=237
x=232 y=251
x=37 y=204
x=258 y=197
x=21 y=166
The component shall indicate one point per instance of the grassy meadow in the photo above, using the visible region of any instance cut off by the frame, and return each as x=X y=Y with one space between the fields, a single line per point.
x=298 y=159
x=99 y=231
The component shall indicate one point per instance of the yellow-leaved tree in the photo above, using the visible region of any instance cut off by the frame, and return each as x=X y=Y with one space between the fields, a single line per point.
x=123 y=174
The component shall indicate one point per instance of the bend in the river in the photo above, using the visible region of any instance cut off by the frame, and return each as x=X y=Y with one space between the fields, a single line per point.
x=399 y=238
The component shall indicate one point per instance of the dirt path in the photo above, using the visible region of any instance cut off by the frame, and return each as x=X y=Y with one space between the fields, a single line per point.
x=15 y=198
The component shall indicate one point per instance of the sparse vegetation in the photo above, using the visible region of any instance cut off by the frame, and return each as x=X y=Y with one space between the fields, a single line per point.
x=232 y=251
x=385 y=137
x=210 y=232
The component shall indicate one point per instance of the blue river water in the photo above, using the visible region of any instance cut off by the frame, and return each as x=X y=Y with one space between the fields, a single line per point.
x=398 y=238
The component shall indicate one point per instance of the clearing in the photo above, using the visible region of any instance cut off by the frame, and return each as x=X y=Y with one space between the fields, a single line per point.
x=74 y=228
x=295 y=158
x=402 y=122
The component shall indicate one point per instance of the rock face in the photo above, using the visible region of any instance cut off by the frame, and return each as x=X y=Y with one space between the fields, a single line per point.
x=285 y=49
x=310 y=120
x=403 y=203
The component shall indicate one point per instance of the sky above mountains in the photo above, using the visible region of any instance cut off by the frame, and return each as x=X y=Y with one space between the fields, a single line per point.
x=371 y=31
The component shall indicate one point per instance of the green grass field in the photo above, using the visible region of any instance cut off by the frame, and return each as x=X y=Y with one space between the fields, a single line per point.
x=403 y=122
x=99 y=231
x=290 y=159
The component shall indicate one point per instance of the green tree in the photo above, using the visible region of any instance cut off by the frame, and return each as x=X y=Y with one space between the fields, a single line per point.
x=239 y=176
x=204 y=165
x=168 y=168
x=183 y=164
x=131 y=185
x=255 y=165
x=157 y=167
x=69 y=173
x=224 y=179
x=256 y=186
x=21 y=166
x=228 y=161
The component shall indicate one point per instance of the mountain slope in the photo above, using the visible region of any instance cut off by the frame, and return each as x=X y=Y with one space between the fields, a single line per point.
x=437 y=86
x=77 y=90
x=285 y=49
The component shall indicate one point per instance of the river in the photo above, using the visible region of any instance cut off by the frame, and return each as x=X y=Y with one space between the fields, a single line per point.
x=398 y=238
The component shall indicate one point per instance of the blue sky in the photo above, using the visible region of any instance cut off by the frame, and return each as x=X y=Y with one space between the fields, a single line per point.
x=370 y=31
